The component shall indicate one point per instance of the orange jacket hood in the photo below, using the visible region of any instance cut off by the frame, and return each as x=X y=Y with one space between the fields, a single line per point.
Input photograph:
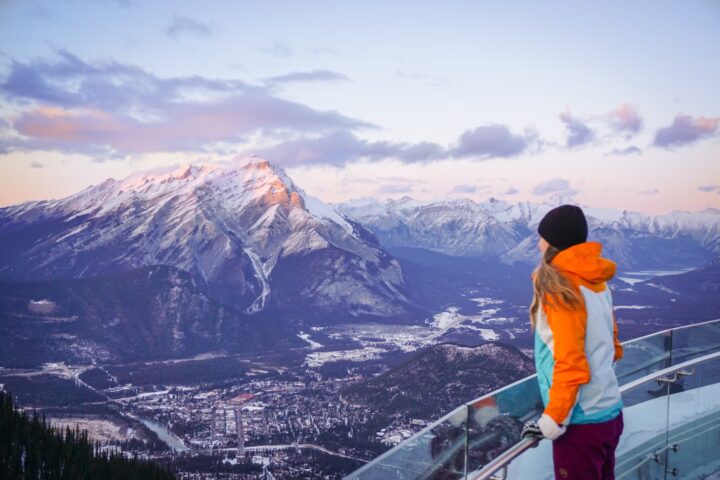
x=584 y=261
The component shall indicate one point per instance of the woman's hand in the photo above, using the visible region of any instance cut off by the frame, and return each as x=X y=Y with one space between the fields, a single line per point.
x=544 y=427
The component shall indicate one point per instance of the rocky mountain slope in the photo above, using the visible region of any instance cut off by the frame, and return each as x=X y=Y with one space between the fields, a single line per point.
x=147 y=313
x=440 y=377
x=246 y=234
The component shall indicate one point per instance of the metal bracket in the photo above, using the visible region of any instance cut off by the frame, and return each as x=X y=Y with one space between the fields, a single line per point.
x=675 y=376
x=685 y=373
x=500 y=474
x=670 y=379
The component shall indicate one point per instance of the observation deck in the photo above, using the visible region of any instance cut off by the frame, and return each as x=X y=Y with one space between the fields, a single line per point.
x=670 y=385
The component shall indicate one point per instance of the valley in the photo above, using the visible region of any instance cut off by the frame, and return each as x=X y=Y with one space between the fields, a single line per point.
x=219 y=319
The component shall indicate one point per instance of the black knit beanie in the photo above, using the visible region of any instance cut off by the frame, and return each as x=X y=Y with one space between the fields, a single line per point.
x=564 y=226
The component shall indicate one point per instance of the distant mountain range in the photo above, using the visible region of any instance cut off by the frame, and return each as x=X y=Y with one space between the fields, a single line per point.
x=237 y=258
x=497 y=228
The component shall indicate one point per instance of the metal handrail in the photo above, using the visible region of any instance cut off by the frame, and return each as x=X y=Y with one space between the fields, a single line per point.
x=666 y=371
x=513 y=452
x=668 y=330
x=625 y=343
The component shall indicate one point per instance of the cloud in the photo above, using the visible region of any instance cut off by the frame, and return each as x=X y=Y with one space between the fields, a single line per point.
x=109 y=110
x=631 y=150
x=186 y=26
x=307 y=77
x=422 y=151
x=512 y=191
x=578 y=133
x=552 y=186
x=709 y=188
x=625 y=119
x=685 y=130
x=342 y=147
x=100 y=108
x=395 y=188
x=465 y=188
x=490 y=141
x=278 y=49
x=653 y=191
x=35 y=164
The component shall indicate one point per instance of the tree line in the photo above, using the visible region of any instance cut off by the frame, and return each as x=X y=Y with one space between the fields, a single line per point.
x=32 y=449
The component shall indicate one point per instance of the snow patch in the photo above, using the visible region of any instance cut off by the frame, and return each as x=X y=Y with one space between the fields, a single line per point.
x=306 y=337
x=483 y=301
x=321 y=209
x=358 y=355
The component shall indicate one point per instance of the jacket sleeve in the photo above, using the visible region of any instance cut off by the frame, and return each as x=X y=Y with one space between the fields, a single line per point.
x=618 y=347
x=571 y=367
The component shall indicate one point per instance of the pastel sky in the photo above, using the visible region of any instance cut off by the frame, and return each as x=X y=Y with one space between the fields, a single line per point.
x=616 y=103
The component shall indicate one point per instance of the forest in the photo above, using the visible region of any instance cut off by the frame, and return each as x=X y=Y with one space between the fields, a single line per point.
x=31 y=449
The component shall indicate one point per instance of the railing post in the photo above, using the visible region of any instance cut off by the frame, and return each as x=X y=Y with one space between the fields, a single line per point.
x=467 y=434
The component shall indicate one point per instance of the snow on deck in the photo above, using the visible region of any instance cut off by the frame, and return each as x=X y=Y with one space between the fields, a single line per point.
x=642 y=422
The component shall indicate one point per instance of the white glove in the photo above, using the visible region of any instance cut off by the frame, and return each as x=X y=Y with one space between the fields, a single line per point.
x=549 y=428
x=544 y=427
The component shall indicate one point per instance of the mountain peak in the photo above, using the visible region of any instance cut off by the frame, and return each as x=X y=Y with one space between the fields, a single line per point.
x=253 y=162
x=561 y=198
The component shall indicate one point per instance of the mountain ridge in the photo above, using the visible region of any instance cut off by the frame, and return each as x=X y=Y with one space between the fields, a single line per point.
x=229 y=226
x=493 y=227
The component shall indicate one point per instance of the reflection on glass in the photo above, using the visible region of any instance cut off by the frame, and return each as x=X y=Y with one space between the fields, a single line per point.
x=644 y=356
x=438 y=453
x=495 y=422
x=696 y=341
x=472 y=435
x=641 y=451
x=694 y=422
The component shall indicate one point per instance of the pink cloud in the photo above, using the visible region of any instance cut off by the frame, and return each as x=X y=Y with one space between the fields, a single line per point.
x=685 y=130
x=626 y=119
x=191 y=126
x=71 y=105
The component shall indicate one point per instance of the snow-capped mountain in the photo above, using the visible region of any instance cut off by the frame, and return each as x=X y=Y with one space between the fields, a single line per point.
x=239 y=230
x=494 y=227
x=455 y=227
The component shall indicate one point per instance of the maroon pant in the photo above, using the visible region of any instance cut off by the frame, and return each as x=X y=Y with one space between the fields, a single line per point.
x=587 y=451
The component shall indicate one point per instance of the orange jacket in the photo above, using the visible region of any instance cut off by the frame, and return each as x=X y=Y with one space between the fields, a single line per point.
x=575 y=348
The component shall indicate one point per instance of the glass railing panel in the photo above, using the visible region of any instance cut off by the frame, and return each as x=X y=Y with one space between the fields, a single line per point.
x=437 y=452
x=695 y=341
x=495 y=421
x=694 y=422
x=474 y=434
x=640 y=453
x=643 y=356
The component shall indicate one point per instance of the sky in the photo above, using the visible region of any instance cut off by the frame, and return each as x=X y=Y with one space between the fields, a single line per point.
x=615 y=103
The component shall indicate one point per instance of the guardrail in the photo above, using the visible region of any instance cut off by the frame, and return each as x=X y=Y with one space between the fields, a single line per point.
x=482 y=437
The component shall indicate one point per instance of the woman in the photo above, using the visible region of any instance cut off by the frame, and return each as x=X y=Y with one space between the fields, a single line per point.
x=576 y=344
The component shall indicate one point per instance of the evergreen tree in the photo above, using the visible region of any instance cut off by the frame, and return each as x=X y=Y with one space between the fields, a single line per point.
x=31 y=449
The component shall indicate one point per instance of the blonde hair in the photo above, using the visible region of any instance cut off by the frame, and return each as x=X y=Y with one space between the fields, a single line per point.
x=551 y=286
